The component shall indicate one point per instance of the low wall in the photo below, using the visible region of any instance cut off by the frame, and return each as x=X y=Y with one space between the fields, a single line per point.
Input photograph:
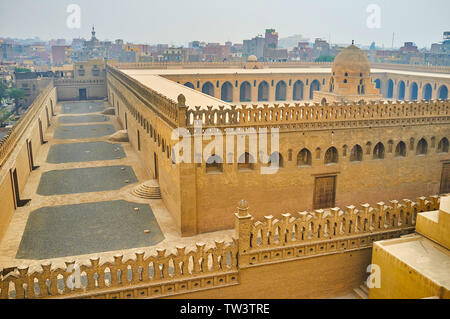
x=68 y=90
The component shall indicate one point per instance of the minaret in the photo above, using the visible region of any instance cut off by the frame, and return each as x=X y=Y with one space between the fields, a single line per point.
x=93 y=32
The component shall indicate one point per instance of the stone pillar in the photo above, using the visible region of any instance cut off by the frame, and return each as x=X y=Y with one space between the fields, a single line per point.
x=243 y=223
x=271 y=91
x=236 y=93
x=289 y=91
x=181 y=111
x=254 y=90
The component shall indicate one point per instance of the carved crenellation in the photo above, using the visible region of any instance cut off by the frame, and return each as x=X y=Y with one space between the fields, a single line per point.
x=300 y=235
x=8 y=142
x=337 y=115
x=158 y=103
x=118 y=274
x=329 y=225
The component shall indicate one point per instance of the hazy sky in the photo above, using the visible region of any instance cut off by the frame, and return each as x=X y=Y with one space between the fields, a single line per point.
x=178 y=21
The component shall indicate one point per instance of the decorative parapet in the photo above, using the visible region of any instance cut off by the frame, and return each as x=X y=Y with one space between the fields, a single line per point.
x=163 y=106
x=152 y=276
x=63 y=82
x=8 y=142
x=328 y=116
x=322 y=232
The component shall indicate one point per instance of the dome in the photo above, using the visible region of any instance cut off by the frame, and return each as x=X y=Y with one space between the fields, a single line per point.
x=252 y=58
x=352 y=61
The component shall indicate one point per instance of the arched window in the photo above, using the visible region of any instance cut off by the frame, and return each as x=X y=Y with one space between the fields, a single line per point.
x=280 y=91
x=273 y=158
x=331 y=155
x=318 y=153
x=378 y=151
x=245 y=94
x=214 y=164
x=315 y=86
x=443 y=146
x=390 y=93
x=356 y=154
x=401 y=90
x=263 y=91
x=400 y=149
x=208 y=88
x=245 y=161
x=422 y=147
x=297 y=93
x=427 y=90
x=378 y=84
x=304 y=158
x=443 y=92
x=189 y=85
x=414 y=89
x=226 y=93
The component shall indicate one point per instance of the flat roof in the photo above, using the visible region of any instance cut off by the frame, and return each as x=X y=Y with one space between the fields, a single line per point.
x=425 y=256
x=163 y=72
x=171 y=89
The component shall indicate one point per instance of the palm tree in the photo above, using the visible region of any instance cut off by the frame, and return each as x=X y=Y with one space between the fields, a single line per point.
x=16 y=95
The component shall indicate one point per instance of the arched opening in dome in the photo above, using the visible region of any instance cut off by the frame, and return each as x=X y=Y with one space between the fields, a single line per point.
x=208 y=88
x=263 y=91
x=443 y=92
x=315 y=86
x=390 y=93
x=323 y=102
x=189 y=85
x=401 y=90
x=414 y=89
x=245 y=94
x=280 y=91
x=297 y=93
x=227 y=92
x=427 y=90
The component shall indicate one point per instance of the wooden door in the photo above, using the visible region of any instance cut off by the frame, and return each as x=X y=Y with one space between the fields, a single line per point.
x=324 y=192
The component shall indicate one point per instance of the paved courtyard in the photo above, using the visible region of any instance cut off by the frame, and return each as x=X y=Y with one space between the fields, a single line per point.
x=82 y=107
x=83 y=131
x=84 y=152
x=83 y=119
x=88 y=228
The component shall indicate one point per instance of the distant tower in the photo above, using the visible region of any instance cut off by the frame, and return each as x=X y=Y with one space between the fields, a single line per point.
x=93 y=32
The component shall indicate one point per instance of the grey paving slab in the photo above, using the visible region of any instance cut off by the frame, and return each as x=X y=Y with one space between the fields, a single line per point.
x=84 y=152
x=69 y=230
x=83 y=131
x=85 y=180
x=82 y=107
x=83 y=119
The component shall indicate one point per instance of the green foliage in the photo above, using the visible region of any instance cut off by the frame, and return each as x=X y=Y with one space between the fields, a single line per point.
x=19 y=70
x=15 y=94
x=325 y=58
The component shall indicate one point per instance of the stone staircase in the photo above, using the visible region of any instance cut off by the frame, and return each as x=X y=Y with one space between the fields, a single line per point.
x=148 y=190
x=361 y=292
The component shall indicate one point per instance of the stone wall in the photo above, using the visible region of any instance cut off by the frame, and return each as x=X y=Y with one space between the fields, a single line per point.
x=293 y=257
x=15 y=150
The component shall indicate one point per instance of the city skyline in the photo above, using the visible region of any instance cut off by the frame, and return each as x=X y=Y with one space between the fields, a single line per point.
x=138 y=18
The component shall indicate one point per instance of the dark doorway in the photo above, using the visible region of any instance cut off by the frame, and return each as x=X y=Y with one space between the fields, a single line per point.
x=138 y=140
x=156 y=165
x=126 y=123
x=30 y=155
x=445 y=179
x=324 y=192
x=41 y=132
x=15 y=182
x=82 y=93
